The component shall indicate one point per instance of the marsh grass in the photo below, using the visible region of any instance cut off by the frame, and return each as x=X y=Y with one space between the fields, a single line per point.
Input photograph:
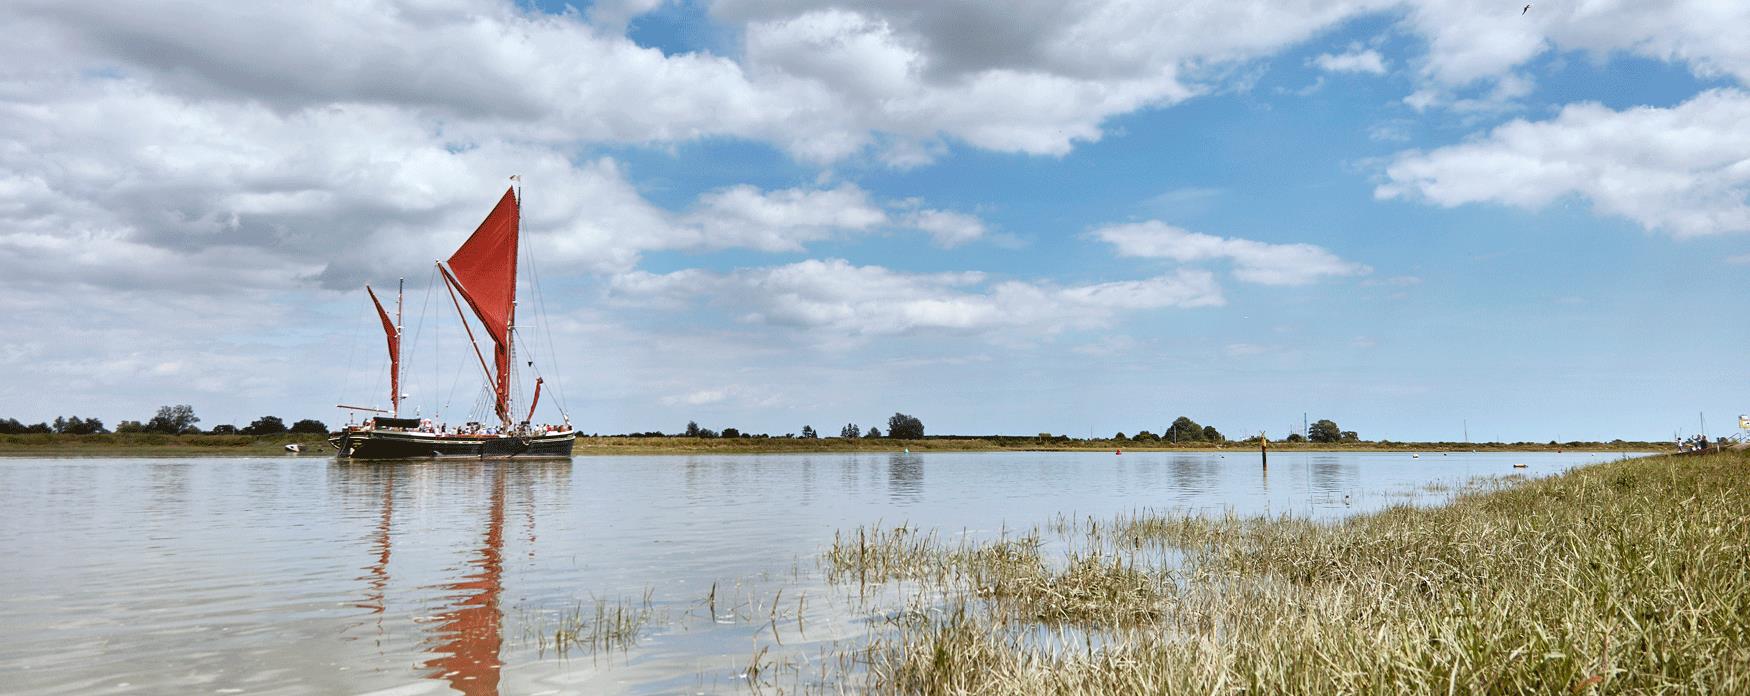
x=878 y=554
x=602 y=626
x=1630 y=576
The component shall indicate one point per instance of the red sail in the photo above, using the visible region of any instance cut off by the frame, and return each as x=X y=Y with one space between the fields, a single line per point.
x=485 y=272
x=535 y=401
x=394 y=353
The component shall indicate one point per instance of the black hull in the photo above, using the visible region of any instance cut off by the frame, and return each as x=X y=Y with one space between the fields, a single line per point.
x=398 y=445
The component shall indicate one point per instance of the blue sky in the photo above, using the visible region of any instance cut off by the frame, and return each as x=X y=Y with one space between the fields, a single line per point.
x=1066 y=217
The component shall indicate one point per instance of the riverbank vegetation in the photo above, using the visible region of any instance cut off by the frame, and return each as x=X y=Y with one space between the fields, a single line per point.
x=1630 y=576
x=155 y=444
x=173 y=430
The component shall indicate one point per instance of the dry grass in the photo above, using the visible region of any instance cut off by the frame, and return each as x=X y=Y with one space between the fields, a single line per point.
x=1629 y=577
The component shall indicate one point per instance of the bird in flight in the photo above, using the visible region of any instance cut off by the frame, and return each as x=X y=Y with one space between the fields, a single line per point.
x=1527 y=9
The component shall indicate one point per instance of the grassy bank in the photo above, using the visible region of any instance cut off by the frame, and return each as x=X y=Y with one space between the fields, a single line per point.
x=155 y=445
x=1631 y=576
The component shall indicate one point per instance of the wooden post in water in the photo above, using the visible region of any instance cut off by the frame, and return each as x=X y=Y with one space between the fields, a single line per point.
x=1264 y=450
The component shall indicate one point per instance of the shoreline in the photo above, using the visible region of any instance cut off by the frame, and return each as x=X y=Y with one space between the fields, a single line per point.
x=158 y=445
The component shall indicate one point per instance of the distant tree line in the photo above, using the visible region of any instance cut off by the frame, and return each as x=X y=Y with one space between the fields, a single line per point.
x=66 y=425
x=899 y=425
x=1183 y=429
x=169 y=420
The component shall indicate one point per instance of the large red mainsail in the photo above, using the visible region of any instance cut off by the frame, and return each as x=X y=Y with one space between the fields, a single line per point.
x=394 y=353
x=485 y=273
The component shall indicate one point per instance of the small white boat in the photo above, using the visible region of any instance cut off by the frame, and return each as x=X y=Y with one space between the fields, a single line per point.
x=295 y=448
x=1519 y=465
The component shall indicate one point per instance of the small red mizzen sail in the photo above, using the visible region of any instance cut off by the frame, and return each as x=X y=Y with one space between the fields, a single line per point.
x=485 y=272
x=394 y=353
x=535 y=401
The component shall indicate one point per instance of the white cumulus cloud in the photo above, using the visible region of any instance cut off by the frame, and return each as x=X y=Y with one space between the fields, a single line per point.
x=837 y=298
x=1355 y=60
x=1684 y=169
x=1255 y=262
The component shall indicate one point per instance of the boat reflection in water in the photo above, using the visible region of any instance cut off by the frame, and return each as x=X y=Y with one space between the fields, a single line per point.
x=463 y=644
x=377 y=574
x=472 y=630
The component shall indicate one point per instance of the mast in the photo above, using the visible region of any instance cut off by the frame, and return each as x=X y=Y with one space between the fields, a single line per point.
x=395 y=398
x=510 y=323
x=392 y=332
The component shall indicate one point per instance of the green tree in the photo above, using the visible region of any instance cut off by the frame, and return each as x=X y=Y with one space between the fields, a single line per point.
x=1294 y=437
x=173 y=420
x=225 y=429
x=1324 y=431
x=1120 y=436
x=692 y=429
x=874 y=432
x=310 y=426
x=129 y=426
x=731 y=432
x=9 y=426
x=850 y=431
x=905 y=427
x=1184 y=430
x=74 y=425
x=1350 y=436
x=1145 y=436
x=265 y=425
x=1210 y=434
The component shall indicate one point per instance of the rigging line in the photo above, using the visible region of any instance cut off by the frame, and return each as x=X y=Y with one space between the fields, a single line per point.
x=546 y=327
x=437 y=354
x=517 y=335
x=483 y=400
x=383 y=377
x=419 y=328
x=464 y=318
x=450 y=398
x=351 y=354
x=542 y=377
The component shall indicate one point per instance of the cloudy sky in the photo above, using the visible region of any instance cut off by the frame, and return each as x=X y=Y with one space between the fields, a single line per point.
x=1069 y=216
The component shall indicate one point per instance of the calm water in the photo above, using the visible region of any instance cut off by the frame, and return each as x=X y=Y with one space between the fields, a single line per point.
x=303 y=575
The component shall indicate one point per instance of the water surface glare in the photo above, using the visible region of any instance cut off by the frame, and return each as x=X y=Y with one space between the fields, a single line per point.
x=305 y=575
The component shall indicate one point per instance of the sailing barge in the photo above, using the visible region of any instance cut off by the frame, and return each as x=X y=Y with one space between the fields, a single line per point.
x=482 y=275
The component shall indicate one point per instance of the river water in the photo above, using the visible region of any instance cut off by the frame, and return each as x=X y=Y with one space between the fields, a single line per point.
x=306 y=575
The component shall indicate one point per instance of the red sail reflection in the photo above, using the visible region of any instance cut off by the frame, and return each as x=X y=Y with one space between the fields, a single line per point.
x=471 y=628
x=379 y=571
